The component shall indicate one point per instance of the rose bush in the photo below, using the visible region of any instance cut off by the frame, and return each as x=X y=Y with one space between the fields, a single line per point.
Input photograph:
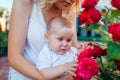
x=105 y=53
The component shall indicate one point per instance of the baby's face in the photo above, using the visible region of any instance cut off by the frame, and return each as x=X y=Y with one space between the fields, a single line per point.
x=60 y=41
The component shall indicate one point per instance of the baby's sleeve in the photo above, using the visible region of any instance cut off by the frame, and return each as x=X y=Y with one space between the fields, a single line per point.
x=44 y=59
x=74 y=51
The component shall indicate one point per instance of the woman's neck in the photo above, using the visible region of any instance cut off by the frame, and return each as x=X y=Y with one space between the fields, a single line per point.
x=51 y=12
x=54 y=10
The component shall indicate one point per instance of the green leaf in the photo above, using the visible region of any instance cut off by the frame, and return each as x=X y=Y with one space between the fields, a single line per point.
x=104 y=27
x=94 y=26
x=106 y=76
x=105 y=19
x=115 y=13
x=113 y=50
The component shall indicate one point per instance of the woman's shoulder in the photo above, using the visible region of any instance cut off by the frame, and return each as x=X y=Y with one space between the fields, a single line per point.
x=36 y=12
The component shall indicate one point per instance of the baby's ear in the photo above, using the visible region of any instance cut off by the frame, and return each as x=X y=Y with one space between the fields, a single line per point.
x=46 y=37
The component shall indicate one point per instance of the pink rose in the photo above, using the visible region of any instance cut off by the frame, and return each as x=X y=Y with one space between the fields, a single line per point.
x=115 y=31
x=86 y=68
x=89 y=3
x=116 y=3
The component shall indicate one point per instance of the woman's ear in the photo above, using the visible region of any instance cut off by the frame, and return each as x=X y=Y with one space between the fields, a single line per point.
x=46 y=37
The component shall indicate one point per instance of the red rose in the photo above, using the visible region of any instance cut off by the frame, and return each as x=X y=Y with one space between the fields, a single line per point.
x=92 y=51
x=115 y=31
x=111 y=28
x=94 y=16
x=86 y=68
x=117 y=64
x=116 y=4
x=90 y=15
x=89 y=3
x=89 y=44
x=76 y=78
x=97 y=51
x=87 y=52
x=83 y=17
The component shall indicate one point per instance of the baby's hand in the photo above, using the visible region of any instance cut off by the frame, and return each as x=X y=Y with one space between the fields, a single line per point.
x=70 y=67
x=84 y=45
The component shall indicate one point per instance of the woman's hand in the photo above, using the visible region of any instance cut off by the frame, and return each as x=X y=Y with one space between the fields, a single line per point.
x=67 y=77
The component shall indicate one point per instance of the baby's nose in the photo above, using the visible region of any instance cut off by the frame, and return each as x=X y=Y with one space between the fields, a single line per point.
x=65 y=43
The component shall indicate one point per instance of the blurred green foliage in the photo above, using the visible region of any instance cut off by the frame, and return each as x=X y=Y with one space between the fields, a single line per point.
x=3 y=43
x=1 y=11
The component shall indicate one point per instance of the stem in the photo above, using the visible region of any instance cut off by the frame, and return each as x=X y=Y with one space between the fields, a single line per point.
x=107 y=34
x=97 y=78
x=101 y=63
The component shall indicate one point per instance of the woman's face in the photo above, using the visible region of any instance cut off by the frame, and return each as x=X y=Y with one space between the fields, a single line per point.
x=63 y=4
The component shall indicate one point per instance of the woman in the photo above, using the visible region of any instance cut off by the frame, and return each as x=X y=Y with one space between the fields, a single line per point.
x=27 y=27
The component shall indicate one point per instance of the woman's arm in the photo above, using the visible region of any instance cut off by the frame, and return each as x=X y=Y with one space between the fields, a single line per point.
x=75 y=41
x=17 y=34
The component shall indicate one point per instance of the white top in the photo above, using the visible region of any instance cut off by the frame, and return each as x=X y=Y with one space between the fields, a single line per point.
x=47 y=58
x=35 y=35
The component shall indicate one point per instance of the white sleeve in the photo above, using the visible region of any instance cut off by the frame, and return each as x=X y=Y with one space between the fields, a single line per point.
x=74 y=51
x=44 y=59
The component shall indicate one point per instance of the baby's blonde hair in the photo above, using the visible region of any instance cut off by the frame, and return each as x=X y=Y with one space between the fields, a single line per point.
x=63 y=22
x=70 y=12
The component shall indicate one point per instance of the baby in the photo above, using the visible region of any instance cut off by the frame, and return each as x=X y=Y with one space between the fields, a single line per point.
x=57 y=57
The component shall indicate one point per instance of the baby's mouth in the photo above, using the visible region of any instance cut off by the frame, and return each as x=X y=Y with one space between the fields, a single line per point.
x=63 y=50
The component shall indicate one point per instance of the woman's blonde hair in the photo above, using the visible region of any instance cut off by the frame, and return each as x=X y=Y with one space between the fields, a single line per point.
x=70 y=12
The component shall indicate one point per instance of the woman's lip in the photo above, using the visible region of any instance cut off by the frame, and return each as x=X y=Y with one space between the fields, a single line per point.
x=67 y=3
